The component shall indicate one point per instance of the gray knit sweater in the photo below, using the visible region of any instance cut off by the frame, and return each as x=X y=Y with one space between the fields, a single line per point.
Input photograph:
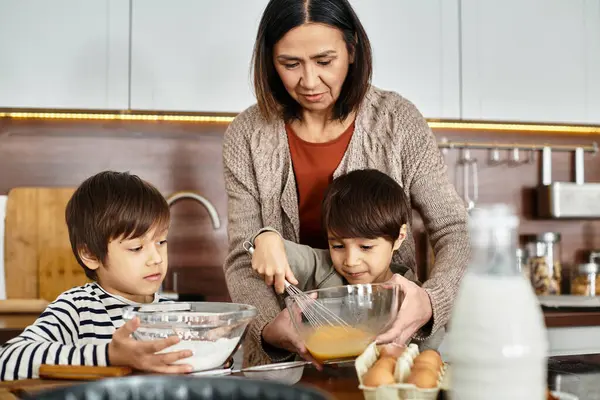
x=390 y=135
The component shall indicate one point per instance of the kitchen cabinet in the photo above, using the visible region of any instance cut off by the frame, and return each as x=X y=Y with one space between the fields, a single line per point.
x=531 y=60
x=193 y=55
x=64 y=54
x=416 y=51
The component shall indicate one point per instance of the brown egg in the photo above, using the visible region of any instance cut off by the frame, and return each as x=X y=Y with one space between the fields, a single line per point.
x=378 y=376
x=388 y=363
x=417 y=368
x=424 y=378
x=381 y=373
x=391 y=350
x=429 y=357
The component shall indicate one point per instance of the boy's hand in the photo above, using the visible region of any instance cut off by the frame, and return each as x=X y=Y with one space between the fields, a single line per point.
x=270 y=261
x=123 y=350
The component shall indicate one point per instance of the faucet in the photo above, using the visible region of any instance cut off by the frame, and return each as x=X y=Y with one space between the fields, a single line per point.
x=195 y=196
x=213 y=216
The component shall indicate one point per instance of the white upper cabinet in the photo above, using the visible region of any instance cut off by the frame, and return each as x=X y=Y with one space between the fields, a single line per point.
x=193 y=55
x=416 y=51
x=64 y=54
x=531 y=60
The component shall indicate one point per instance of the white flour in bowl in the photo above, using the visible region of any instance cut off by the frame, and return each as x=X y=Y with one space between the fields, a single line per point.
x=207 y=355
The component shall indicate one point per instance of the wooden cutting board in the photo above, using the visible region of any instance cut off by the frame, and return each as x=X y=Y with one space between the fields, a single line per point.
x=39 y=262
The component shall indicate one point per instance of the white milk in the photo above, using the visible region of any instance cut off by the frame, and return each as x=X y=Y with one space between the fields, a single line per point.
x=497 y=348
x=497 y=344
x=207 y=355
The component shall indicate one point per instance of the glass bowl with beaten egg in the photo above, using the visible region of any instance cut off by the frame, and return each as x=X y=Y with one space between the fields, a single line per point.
x=340 y=322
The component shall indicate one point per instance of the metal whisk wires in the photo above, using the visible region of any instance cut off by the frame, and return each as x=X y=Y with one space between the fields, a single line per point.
x=316 y=313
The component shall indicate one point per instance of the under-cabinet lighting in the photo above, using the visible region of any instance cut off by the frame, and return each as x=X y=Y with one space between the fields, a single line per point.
x=434 y=124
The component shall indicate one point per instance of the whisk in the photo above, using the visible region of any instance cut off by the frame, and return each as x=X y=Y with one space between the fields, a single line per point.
x=316 y=313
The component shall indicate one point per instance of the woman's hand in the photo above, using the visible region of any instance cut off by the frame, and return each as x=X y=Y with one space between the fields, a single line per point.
x=415 y=312
x=270 y=261
x=281 y=333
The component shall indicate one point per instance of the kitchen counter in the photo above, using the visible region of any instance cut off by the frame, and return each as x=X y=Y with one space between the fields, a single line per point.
x=579 y=375
x=12 y=325
x=562 y=319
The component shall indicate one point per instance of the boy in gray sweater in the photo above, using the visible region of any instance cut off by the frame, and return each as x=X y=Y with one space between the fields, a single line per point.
x=365 y=214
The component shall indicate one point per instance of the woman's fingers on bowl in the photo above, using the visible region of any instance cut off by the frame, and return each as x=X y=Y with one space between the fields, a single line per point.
x=394 y=334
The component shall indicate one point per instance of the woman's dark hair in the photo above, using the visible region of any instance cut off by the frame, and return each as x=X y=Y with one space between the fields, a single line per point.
x=281 y=16
x=365 y=204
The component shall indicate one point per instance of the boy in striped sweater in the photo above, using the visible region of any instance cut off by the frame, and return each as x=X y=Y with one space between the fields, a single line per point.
x=118 y=227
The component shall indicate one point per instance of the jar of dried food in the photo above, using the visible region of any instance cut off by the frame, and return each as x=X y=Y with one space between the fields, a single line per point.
x=586 y=281
x=544 y=262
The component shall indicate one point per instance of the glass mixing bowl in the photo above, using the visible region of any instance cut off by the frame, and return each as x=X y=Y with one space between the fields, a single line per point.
x=212 y=331
x=340 y=322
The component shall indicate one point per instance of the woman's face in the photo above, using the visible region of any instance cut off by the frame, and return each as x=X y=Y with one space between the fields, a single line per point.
x=312 y=61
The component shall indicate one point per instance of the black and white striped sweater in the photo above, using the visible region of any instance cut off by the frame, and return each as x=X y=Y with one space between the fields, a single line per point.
x=75 y=329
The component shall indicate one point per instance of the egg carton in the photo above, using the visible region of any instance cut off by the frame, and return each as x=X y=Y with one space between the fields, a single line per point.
x=397 y=391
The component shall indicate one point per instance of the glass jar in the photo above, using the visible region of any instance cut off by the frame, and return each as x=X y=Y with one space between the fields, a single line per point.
x=586 y=281
x=544 y=263
x=522 y=265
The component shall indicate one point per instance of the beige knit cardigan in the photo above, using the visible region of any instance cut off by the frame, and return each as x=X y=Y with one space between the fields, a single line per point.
x=390 y=135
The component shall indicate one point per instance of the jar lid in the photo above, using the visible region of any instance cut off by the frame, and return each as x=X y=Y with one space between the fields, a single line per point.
x=589 y=268
x=547 y=237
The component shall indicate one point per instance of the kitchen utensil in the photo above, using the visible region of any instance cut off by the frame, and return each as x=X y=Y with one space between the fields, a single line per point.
x=469 y=178
x=23 y=306
x=39 y=262
x=567 y=199
x=369 y=309
x=286 y=372
x=213 y=331
x=494 y=156
x=315 y=313
x=81 y=372
x=180 y=388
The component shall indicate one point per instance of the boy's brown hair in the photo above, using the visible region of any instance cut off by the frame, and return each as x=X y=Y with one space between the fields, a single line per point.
x=111 y=205
x=365 y=204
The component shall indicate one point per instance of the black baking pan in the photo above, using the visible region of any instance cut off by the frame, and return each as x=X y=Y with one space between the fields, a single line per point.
x=154 y=387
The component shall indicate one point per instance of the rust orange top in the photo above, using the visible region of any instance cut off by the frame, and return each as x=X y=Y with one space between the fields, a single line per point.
x=314 y=164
